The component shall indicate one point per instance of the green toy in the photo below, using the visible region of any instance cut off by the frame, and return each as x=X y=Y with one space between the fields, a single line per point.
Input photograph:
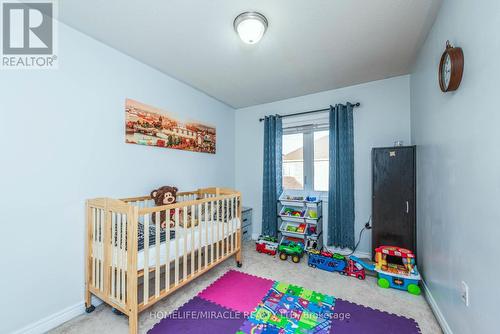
x=338 y=256
x=268 y=238
x=290 y=248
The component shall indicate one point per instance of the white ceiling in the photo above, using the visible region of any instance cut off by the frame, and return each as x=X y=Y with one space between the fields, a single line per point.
x=310 y=46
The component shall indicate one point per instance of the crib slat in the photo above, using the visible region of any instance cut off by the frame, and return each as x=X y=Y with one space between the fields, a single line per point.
x=228 y=213
x=217 y=222
x=94 y=245
x=199 y=236
x=131 y=244
x=98 y=249
x=223 y=238
x=117 y=241
x=233 y=220
x=101 y=250
x=206 y=234
x=176 y=269
x=238 y=221
x=114 y=254
x=223 y=219
x=184 y=261
x=146 y=259
x=157 y=255
x=108 y=252
x=192 y=238
x=123 y=256
x=167 y=249
x=212 y=241
x=119 y=219
x=227 y=224
x=230 y=225
x=234 y=223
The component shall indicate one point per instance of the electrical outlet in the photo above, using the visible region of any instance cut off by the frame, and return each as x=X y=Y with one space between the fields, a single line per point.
x=465 y=293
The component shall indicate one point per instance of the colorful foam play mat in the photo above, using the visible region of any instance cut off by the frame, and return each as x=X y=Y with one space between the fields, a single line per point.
x=239 y=303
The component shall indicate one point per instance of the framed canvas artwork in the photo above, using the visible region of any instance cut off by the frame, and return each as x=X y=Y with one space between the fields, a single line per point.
x=147 y=125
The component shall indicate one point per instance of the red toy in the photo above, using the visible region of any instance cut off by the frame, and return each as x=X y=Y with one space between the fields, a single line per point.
x=326 y=253
x=267 y=245
x=354 y=269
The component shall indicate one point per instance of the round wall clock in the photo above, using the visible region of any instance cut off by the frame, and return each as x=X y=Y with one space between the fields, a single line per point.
x=451 y=68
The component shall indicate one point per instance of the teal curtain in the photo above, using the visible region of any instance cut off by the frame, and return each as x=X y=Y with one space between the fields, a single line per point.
x=341 y=174
x=272 y=178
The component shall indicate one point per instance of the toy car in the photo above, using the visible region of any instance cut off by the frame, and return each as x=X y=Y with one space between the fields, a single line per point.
x=336 y=262
x=314 y=251
x=354 y=269
x=267 y=245
x=290 y=248
x=267 y=238
x=326 y=253
x=331 y=263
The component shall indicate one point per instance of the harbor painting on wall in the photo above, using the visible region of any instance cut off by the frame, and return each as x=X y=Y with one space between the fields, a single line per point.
x=147 y=125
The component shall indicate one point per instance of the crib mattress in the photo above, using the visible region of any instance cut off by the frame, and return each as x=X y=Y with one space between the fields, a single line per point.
x=185 y=236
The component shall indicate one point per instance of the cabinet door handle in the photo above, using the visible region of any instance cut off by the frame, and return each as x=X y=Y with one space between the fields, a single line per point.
x=407 y=207
x=245 y=219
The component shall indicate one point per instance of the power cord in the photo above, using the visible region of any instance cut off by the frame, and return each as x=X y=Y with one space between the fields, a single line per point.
x=368 y=226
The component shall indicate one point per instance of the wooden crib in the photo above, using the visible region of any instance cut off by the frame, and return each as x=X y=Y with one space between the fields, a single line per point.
x=206 y=231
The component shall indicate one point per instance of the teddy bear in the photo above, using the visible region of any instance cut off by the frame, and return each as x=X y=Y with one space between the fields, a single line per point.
x=164 y=196
x=167 y=195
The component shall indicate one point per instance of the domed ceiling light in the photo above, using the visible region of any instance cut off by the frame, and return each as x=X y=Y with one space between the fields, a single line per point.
x=250 y=26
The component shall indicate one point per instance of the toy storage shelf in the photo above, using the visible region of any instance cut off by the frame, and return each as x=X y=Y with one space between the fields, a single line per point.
x=300 y=211
x=291 y=200
x=291 y=217
x=293 y=229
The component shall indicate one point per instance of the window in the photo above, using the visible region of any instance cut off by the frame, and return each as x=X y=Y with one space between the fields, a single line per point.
x=293 y=161
x=321 y=166
x=305 y=159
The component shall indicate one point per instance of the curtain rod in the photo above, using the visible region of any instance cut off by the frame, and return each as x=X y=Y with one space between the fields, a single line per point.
x=357 y=104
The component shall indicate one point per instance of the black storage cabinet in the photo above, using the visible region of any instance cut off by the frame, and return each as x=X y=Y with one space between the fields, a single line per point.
x=394 y=197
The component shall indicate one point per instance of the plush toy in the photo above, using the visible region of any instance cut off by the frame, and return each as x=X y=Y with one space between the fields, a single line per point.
x=167 y=195
x=164 y=196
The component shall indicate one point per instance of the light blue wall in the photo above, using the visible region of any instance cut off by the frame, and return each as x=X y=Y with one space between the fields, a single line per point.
x=384 y=116
x=458 y=141
x=62 y=141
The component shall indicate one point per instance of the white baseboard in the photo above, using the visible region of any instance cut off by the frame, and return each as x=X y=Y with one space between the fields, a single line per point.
x=435 y=309
x=54 y=320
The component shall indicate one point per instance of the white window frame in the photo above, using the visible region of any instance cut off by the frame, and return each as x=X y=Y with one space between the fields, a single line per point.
x=308 y=145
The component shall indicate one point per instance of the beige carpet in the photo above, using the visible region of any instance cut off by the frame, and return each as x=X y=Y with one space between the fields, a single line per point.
x=366 y=292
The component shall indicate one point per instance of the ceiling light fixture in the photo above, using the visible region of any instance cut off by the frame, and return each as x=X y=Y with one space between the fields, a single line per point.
x=250 y=26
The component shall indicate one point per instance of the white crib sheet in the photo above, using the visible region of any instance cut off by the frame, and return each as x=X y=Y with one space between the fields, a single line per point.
x=180 y=236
